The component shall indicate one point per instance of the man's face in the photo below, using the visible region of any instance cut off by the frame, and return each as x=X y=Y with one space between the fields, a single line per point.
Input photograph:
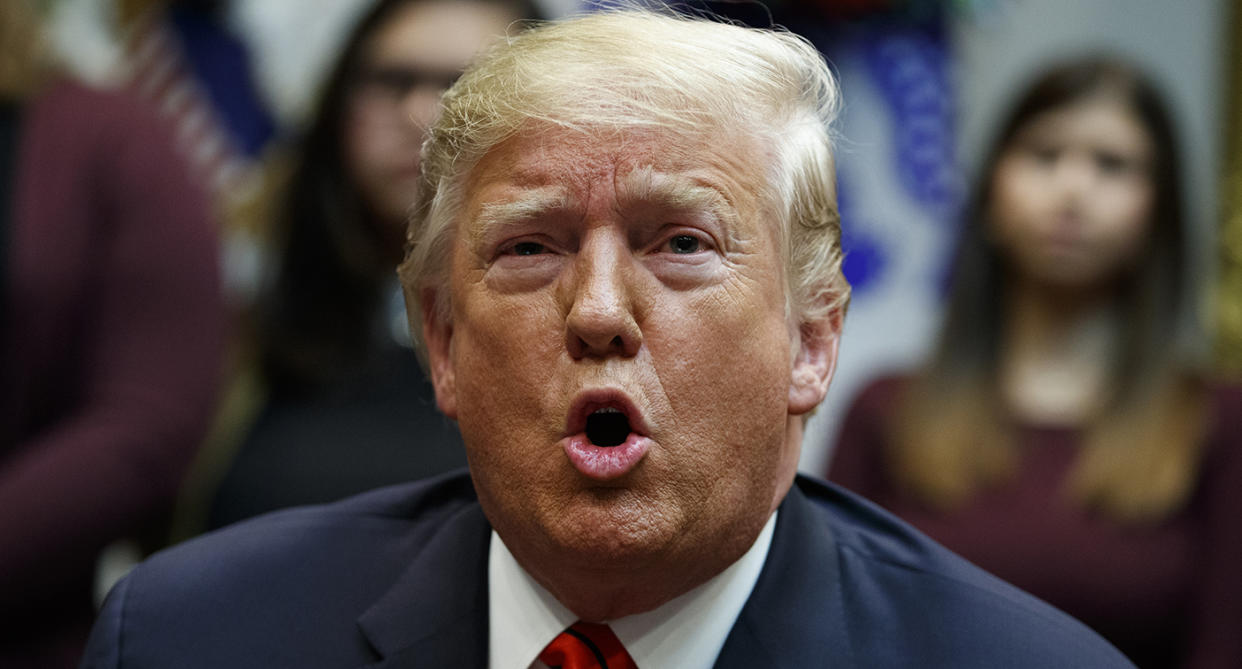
x=619 y=360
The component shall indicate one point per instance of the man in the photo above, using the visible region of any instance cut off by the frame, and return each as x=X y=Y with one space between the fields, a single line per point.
x=626 y=271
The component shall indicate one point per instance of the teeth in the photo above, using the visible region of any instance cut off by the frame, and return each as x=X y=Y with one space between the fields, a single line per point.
x=608 y=410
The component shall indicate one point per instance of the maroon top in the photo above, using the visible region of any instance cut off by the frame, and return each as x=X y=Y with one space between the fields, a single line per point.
x=112 y=333
x=1168 y=595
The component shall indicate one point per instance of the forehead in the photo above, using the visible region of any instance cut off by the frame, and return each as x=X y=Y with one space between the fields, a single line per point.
x=1102 y=120
x=656 y=167
x=441 y=34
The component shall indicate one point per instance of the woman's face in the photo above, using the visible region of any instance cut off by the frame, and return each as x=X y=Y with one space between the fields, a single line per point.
x=1072 y=195
x=403 y=68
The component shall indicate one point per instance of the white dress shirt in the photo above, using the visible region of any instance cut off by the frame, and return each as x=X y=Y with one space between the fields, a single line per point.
x=685 y=632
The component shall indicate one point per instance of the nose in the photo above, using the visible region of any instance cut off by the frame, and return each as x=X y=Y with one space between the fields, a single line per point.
x=601 y=295
x=1075 y=178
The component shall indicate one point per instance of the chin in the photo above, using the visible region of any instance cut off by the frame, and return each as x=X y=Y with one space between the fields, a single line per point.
x=615 y=525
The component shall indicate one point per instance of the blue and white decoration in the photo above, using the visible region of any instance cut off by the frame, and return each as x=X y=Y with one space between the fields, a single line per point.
x=900 y=190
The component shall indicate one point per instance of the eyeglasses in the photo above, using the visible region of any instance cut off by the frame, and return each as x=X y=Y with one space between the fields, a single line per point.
x=394 y=82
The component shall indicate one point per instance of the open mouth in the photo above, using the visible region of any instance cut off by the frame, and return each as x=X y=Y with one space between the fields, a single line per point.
x=606 y=436
x=605 y=418
x=608 y=426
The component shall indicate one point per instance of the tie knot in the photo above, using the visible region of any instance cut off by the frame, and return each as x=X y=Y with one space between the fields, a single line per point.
x=587 y=646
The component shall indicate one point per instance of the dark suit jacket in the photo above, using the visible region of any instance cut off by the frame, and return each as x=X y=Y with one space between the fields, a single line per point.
x=397 y=578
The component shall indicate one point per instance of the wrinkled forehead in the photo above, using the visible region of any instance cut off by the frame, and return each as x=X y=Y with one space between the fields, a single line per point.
x=716 y=170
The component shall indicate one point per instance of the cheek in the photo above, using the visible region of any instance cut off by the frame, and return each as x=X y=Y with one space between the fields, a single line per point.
x=1130 y=214
x=361 y=153
x=1015 y=199
x=725 y=367
x=1126 y=218
x=504 y=349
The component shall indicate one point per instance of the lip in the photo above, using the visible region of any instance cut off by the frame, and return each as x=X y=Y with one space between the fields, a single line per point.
x=590 y=401
x=604 y=463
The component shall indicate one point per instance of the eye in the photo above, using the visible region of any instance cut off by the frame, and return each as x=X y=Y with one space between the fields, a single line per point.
x=527 y=249
x=684 y=244
x=1045 y=155
x=1112 y=163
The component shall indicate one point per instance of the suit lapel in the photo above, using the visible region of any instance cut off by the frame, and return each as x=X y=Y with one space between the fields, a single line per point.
x=795 y=615
x=436 y=613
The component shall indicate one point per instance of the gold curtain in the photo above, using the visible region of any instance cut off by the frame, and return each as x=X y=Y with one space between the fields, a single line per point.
x=1229 y=291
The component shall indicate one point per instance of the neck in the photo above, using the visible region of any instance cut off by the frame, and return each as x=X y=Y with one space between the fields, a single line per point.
x=1057 y=352
x=604 y=593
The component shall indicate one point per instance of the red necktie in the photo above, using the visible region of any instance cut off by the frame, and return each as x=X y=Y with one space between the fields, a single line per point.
x=587 y=646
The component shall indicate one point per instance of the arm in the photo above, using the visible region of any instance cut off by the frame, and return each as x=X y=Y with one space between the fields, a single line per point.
x=147 y=354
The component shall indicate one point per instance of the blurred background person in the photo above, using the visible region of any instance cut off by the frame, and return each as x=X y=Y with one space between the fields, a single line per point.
x=333 y=401
x=111 y=335
x=1062 y=436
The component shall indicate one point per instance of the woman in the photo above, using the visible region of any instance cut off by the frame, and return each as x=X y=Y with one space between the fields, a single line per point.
x=1061 y=436
x=344 y=406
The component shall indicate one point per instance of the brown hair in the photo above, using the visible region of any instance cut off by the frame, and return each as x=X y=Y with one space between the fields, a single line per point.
x=316 y=315
x=1141 y=452
x=24 y=59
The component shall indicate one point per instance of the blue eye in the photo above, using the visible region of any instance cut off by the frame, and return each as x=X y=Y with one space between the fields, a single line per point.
x=528 y=248
x=683 y=244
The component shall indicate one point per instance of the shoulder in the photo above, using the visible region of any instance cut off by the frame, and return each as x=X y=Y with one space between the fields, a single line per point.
x=1224 y=430
x=912 y=602
x=110 y=141
x=1221 y=469
x=857 y=457
x=301 y=575
x=350 y=529
x=66 y=105
x=881 y=393
x=1227 y=406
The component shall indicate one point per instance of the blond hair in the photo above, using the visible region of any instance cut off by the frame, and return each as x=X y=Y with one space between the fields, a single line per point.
x=622 y=70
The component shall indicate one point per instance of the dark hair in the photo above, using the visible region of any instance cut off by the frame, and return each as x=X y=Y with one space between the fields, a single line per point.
x=952 y=435
x=1153 y=303
x=318 y=314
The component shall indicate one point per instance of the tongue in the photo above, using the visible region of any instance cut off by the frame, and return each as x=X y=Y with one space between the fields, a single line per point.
x=607 y=429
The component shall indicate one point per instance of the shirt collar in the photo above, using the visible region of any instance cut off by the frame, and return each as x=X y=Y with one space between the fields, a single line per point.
x=687 y=631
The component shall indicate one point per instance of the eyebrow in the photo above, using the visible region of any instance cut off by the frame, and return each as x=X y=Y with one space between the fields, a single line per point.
x=643 y=185
x=531 y=204
x=646 y=185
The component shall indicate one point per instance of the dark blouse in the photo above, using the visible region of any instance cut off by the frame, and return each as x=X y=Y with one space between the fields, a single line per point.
x=1168 y=595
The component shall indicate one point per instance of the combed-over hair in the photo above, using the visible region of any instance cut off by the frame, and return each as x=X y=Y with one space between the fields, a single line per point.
x=622 y=70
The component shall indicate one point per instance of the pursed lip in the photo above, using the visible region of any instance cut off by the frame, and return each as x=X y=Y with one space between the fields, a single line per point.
x=605 y=463
x=590 y=401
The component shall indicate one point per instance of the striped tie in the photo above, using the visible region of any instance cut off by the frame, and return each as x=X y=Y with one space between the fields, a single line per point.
x=587 y=646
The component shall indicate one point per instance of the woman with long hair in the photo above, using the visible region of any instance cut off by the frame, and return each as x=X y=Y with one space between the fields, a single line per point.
x=342 y=405
x=1063 y=434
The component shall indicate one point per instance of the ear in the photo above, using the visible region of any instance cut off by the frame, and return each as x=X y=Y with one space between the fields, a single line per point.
x=438 y=337
x=814 y=363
